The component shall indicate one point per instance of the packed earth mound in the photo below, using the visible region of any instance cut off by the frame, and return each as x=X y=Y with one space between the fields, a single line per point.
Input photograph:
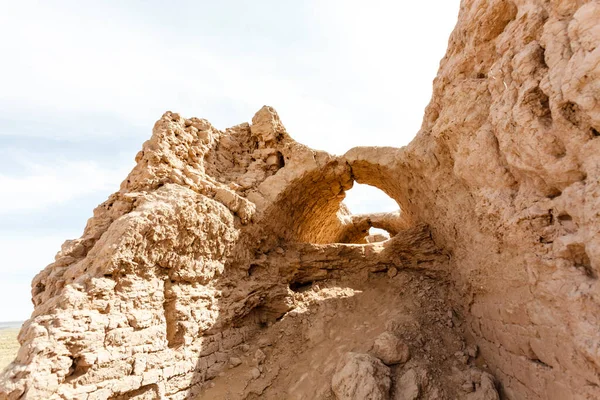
x=228 y=267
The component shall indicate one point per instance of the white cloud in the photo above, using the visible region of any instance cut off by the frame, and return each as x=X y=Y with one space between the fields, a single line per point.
x=365 y=199
x=46 y=185
x=18 y=295
x=22 y=258
x=364 y=77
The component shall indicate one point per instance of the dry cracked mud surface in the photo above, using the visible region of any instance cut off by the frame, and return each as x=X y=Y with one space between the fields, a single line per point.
x=227 y=267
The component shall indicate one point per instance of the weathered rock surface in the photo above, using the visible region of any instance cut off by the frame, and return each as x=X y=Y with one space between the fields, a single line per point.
x=506 y=171
x=227 y=266
x=361 y=376
x=408 y=386
x=390 y=349
x=484 y=389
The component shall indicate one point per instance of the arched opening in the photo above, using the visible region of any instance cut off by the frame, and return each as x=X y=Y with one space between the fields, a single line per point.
x=371 y=204
x=327 y=205
x=377 y=235
x=366 y=199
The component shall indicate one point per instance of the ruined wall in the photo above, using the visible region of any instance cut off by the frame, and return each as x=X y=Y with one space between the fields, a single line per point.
x=211 y=238
x=506 y=171
x=173 y=270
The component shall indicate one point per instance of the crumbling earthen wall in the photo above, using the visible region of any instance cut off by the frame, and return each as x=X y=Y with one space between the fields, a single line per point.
x=213 y=237
x=506 y=172
x=160 y=287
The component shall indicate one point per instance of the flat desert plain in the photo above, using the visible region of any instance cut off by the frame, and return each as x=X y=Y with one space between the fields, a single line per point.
x=8 y=346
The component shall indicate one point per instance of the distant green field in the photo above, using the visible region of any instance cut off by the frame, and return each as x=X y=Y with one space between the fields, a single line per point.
x=8 y=346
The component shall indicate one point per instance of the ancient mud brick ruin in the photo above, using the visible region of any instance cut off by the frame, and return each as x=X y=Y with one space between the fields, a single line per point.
x=227 y=266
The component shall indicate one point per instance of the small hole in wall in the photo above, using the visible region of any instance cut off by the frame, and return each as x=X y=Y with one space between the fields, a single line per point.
x=377 y=235
x=540 y=363
x=39 y=288
x=73 y=365
x=581 y=261
x=76 y=370
x=565 y=217
x=570 y=111
x=553 y=193
x=538 y=103
x=280 y=160
x=276 y=161
x=300 y=287
x=542 y=59
x=252 y=270
x=594 y=132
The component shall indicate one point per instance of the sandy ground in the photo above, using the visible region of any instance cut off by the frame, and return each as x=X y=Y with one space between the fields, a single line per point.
x=296 y=356
x=8 y=346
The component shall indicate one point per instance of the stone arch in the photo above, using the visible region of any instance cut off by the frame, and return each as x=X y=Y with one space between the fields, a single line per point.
x=310 y=209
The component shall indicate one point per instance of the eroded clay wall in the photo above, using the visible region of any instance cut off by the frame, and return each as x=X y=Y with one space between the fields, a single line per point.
x=207 y=235
x=506 y=171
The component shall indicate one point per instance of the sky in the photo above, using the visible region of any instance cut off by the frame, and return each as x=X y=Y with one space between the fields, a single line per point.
x=82 y=83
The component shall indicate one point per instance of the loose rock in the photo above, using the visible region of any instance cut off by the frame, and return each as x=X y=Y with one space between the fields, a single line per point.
x=390 y=349
x=361 y=376
x=407 y=387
